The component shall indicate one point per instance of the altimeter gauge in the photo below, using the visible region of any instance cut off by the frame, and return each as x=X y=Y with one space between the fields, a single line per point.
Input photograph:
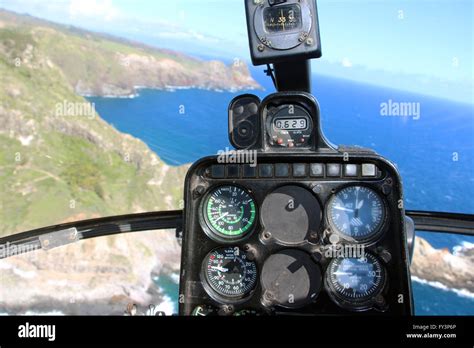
x=355 y=282
x=228 y=273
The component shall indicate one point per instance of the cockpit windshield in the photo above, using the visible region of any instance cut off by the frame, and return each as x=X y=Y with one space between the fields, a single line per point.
x=104 y=105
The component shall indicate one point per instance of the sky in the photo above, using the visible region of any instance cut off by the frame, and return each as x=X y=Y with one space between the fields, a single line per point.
x=425 y=46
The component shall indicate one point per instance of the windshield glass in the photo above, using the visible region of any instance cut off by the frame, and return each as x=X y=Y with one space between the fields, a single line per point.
x=105 y=104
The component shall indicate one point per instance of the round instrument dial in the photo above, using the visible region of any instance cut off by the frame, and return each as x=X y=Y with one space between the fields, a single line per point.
x=284 y=26
x=355 y=281
x=228 y=213
x=283 y=18
x=356 y=213
x=229 y=273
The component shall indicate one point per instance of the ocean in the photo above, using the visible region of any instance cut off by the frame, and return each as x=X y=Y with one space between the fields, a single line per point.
x=433 y=147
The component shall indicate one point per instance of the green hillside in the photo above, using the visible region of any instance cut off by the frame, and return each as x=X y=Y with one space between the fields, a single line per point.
x=56 y=168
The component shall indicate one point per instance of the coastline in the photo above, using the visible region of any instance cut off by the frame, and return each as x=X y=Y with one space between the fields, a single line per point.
x=137 y=89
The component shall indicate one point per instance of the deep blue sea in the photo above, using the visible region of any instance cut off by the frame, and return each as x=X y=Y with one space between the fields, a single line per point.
x=434 y=153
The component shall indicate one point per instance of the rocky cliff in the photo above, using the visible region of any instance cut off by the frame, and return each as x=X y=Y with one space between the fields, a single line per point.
x=59 y=160
x=101 y=65
x=453 y=270
x=93 y=277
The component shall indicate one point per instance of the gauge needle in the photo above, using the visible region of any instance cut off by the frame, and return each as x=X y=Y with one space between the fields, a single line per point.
x=356 y=215
x=342 y=273
x=222 y=216
x=344 y=209
x=220 y=269
x=283 y=20
x=360 y=204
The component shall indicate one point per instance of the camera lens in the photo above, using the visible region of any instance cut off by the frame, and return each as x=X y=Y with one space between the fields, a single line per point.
x=245 y=130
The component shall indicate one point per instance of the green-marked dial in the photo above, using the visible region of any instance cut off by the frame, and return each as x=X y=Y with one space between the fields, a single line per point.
x=229 y=212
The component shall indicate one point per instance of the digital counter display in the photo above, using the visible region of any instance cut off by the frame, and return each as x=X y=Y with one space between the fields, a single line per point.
x=291 y=124
x=282 y=18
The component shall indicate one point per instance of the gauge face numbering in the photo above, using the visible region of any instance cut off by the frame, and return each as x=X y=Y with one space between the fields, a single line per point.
x=229 y=273
x=289 y=126
x=282 y=18
x=229 y=213
x=357 y=213
x=355 y=281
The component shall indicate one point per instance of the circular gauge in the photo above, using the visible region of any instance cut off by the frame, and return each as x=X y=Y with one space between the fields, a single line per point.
x=283 y=26
x=290 y=279
x=291 y=214
x=355 y=281
x=228 y=213
x=229 y=273
x=289 y=126
x=356 y=213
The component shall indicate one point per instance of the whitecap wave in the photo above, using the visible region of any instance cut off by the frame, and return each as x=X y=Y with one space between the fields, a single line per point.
x=460 y=250
x=175 y=277
x=168 y=306
x=460 y=292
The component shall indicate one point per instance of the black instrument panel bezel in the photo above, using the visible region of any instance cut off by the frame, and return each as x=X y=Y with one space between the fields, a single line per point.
x=196 y=244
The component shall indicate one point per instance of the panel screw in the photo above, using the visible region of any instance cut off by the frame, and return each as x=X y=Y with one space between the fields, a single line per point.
x=309 y=41
x=302 y=37
x=261 y=48
x=385 y=255
x=317 y=256
x=386 y=189
x=317 y=189
x=380 y=301
x=199 y=191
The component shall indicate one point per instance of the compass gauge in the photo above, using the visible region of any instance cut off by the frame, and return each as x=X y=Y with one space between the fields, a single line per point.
x=282 y=18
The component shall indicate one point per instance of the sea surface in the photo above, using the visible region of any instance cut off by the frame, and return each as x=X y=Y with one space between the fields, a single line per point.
x=433 y=149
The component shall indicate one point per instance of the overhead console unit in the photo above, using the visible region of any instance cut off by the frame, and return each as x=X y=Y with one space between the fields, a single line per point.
x=282 y=30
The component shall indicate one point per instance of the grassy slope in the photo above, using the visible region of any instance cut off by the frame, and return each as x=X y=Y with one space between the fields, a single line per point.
x=38 y=182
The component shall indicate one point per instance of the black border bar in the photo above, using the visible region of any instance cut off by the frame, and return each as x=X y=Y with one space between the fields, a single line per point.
x=245 y=330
